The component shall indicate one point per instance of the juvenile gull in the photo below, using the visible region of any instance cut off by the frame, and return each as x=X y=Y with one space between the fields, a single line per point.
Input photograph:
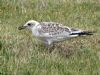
x=51 y=32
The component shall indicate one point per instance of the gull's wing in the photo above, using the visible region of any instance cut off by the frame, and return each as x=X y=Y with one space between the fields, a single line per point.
x=51 y=29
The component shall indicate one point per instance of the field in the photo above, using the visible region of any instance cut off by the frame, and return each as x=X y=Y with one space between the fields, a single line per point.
x=22 y=54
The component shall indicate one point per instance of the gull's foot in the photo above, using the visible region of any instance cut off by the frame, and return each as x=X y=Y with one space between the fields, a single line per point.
x=50 y=48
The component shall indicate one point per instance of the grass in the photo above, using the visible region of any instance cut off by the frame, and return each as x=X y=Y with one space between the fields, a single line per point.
x=23 y=54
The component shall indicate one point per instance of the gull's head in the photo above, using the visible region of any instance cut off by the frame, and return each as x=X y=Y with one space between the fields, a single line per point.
x=30 y=24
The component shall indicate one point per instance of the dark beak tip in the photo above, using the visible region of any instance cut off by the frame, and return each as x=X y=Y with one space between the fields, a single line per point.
x=19 y=28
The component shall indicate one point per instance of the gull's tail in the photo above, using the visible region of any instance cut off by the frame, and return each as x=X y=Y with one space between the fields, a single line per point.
x=83 y=33
x=76 y=33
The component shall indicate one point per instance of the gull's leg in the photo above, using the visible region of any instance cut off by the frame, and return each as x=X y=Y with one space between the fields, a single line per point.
x=50 y=46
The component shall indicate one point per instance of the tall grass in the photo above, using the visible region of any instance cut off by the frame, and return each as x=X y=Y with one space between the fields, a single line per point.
x=22 y=54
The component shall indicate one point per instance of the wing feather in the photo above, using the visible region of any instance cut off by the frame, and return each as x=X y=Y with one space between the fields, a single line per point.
x=53 y=29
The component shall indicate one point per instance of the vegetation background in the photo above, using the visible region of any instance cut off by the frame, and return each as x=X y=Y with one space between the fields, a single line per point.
x=23 y=54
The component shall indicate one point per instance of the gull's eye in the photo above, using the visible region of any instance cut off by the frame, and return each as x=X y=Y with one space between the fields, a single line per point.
x=29 y=24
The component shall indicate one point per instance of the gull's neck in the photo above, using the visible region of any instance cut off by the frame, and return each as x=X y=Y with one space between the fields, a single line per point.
x=35 y=29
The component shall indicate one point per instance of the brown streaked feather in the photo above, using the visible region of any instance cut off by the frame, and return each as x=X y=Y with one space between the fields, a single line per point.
x=53 y=28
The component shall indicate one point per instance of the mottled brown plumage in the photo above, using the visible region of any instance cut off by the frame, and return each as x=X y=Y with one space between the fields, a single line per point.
x=53 y=28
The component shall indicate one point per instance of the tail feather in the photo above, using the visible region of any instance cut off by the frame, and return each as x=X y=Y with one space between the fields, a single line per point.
x=83 y=33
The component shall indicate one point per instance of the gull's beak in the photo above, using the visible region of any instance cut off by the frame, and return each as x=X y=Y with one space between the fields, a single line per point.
x=21 y=27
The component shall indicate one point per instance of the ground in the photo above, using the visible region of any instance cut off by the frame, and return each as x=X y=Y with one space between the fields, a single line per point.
x=22 y=54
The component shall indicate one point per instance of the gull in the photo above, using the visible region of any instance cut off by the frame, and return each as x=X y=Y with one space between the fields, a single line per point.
x=51 y=32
